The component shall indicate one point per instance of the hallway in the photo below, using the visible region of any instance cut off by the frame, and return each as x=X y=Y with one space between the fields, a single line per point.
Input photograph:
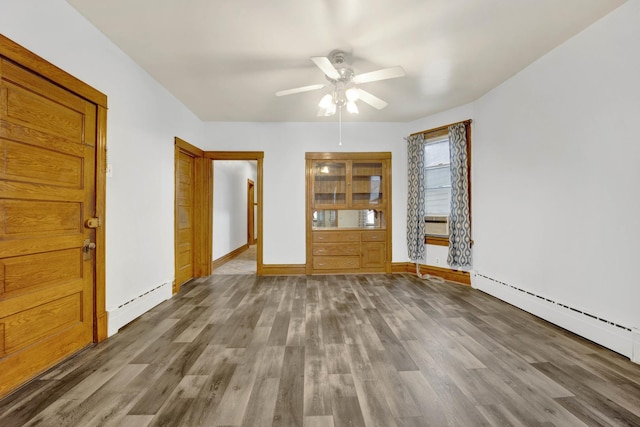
x=245 y=263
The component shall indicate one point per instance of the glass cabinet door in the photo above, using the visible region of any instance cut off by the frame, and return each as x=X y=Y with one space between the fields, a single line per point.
x=329 y=183
x=367 y=186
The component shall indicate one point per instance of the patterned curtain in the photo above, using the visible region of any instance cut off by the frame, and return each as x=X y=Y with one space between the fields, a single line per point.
x=459 y=218
x=415 y=197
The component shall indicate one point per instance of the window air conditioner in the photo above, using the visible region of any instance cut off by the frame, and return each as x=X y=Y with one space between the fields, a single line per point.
x=436 y=225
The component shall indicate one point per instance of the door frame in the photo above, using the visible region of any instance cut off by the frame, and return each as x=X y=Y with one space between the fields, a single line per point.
x=32 y=62
x=251 y=238
x=257 y=156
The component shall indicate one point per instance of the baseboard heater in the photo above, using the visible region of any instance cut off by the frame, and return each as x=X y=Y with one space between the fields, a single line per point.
x=559 y=304
x=135 y=307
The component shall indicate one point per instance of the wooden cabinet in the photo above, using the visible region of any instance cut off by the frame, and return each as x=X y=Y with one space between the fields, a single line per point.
x=348 y=212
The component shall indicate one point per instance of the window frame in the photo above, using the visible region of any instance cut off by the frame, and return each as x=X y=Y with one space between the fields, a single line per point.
x=440 y=132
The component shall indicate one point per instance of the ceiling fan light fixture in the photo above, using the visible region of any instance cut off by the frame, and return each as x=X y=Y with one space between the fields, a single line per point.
x=326 y=101
x=343 y=85
x=352 y=107
x=331 y=110
x=352 y=94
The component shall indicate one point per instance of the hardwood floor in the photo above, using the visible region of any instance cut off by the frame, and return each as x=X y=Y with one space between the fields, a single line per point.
x=244 y=263
x=320 y=351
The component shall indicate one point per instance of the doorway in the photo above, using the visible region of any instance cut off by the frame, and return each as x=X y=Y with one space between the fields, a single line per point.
x=232 y=209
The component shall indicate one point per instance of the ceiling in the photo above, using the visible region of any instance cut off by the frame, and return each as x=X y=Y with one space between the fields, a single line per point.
x=225 y=59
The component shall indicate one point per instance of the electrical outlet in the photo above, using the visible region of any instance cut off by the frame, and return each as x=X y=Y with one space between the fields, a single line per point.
x=437 y=261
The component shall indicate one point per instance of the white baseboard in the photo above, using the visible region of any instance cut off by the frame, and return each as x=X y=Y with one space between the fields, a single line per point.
x=134 y=308
x=611 y=335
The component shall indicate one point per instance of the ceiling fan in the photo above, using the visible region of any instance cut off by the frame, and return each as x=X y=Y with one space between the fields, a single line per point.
x=344 y=84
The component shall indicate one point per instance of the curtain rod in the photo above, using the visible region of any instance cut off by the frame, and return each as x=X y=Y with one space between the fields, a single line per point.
x=466 y=122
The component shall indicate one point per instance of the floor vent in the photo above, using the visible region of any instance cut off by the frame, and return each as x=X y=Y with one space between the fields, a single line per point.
x=576 y=310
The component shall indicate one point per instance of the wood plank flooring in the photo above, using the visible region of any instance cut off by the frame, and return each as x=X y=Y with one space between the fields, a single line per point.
x=322 y=351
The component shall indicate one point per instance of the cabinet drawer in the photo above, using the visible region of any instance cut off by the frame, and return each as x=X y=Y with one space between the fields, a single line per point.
x=336 y=249
x=373 y=236
x=336 y=262
x=336 y=236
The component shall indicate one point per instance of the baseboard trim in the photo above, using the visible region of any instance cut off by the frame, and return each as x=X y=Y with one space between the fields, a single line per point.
x=101 y=328
x=461 y=277
x=457 y=276
x=228 y=257
x=401 y=267
x=283 y=269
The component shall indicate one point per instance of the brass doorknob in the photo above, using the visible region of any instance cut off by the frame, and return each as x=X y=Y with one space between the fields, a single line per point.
x=88 y=245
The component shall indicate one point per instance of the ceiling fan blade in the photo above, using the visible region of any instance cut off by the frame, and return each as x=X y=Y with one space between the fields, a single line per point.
x=299 y=89
x=370 y=99
x=326 y=66
x=385 y=73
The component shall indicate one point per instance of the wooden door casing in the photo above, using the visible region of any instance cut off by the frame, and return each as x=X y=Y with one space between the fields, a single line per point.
x=250 y=208
x=48 y=136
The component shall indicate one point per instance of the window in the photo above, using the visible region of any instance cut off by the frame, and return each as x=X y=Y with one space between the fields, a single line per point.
x=437 y=175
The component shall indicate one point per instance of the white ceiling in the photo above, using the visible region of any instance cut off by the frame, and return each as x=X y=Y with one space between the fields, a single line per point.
x=225 y=59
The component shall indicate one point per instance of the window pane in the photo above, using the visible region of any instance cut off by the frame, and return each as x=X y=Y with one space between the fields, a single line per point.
x=437 y=177
x=438 y=201
x=436 y=153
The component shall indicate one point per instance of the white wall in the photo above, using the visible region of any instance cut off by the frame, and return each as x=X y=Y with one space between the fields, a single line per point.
x=143 y=119
x=230 y=204
x=284 y=146
x=555 y=180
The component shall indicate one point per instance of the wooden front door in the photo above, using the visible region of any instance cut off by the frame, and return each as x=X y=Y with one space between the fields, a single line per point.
x=47 y=194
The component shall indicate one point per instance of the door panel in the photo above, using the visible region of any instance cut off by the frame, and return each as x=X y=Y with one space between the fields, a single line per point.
x=185 y=165
x=47 y=192
x=22 y=274
x=373 y=254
